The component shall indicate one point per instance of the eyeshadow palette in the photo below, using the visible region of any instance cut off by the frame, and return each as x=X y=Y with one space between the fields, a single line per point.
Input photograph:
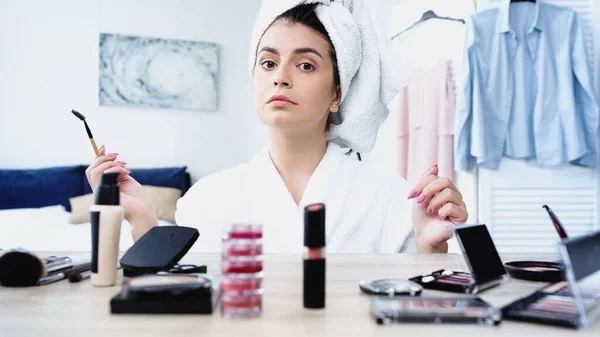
x=402 y=309
x=482 y=258
x=549 y=305
x=573 y=303
x=447 y=280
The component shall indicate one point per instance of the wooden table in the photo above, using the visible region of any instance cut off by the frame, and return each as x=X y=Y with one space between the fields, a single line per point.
x=78 y=309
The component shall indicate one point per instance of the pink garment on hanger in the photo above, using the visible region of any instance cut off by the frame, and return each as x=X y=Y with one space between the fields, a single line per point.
x=425 y=130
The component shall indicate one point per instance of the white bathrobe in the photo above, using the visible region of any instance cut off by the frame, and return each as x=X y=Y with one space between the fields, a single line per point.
x=366 y=211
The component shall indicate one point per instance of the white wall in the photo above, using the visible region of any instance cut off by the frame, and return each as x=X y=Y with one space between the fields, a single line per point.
x=49 y=65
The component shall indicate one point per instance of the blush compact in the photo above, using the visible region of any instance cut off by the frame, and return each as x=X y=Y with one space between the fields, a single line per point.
x=539 y=271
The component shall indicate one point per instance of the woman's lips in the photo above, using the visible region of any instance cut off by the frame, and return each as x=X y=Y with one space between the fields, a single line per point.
x=280 y=103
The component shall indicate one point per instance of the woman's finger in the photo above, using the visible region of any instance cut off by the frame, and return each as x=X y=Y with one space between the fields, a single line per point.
x=448 y=195
x=102 y=159
x=437 y=186
x=417 y=191
x=99 y=161
x=433 y=171
x=453 y=212
x=123 y=172
x=100 y=169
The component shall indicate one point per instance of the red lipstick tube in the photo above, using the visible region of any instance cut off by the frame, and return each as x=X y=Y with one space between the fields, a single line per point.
x=314 y=256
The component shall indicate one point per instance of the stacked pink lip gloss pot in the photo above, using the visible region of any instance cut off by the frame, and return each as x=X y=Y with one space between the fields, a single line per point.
x=242 y=271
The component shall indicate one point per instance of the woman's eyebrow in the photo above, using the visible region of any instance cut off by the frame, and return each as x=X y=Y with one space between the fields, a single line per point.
x=269 y=50
x=307 y=50
x=297 y=51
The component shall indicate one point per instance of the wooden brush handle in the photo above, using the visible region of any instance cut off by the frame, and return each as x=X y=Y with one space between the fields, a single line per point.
x=95 y=147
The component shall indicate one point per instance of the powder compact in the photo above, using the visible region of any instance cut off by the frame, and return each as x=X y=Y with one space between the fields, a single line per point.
x=167 y=294
x=482 y=258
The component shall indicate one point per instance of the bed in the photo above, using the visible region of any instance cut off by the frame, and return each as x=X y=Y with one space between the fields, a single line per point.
x=36 y=212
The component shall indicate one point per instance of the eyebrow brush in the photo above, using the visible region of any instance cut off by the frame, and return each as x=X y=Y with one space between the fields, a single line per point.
x=89 y=132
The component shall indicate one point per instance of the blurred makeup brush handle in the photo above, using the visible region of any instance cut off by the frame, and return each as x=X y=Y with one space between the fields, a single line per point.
x=95 y=147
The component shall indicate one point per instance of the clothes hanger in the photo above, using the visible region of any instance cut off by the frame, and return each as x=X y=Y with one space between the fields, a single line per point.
x=428 y=15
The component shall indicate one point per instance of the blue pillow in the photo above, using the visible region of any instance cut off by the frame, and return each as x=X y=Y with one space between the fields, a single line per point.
x=33 y=188
x=175 y=177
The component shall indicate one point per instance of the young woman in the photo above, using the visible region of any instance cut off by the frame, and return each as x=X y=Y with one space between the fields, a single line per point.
x=297 y=92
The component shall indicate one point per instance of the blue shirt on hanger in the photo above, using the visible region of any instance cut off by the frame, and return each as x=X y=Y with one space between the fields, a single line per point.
x=527 y=89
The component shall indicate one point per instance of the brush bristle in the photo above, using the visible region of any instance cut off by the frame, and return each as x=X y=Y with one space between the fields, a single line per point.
x=79 y=115
x=21 y=269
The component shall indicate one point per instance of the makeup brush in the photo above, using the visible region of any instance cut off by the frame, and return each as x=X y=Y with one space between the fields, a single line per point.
x=557 y=225
x=21 y=269
x=89 y=132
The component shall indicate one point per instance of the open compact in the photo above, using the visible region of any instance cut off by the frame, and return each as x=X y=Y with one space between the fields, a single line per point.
x=447 y=280
x=403 y=309
x=573 y=303
x=482 y=258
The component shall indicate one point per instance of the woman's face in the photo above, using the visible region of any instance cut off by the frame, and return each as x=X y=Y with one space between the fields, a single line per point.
x=293 y=79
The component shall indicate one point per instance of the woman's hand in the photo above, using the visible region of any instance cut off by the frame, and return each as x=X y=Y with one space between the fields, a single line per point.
x=437 y=206
x=139 y=210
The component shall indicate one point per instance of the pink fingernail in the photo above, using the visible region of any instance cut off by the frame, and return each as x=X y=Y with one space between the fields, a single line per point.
x=429 y=210
x=412 y=194
x=128 y=170
x=421 y=197
x=112 y=154
x=122 y=163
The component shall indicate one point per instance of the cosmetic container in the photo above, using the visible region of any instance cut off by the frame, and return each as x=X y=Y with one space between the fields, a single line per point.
x=314 y=257
x=106 y=218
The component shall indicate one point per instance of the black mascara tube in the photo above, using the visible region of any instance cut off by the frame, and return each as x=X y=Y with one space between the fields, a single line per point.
x=314 y=256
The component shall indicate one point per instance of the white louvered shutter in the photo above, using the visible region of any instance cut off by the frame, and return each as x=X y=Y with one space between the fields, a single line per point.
x=511 y=199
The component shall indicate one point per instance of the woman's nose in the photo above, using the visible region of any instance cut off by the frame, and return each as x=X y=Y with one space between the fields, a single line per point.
x=281 y=78
x=281 y=82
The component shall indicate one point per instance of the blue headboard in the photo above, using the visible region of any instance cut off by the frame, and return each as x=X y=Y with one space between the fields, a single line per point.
x=32 y=188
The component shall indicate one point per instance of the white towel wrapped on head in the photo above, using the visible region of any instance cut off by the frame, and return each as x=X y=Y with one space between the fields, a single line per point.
x=369 y=80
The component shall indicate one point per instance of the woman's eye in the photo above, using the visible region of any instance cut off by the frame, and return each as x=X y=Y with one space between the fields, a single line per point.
x=268 y=64
x=306 y=66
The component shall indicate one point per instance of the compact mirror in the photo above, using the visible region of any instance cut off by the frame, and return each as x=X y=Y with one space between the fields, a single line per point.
x=391 y=287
